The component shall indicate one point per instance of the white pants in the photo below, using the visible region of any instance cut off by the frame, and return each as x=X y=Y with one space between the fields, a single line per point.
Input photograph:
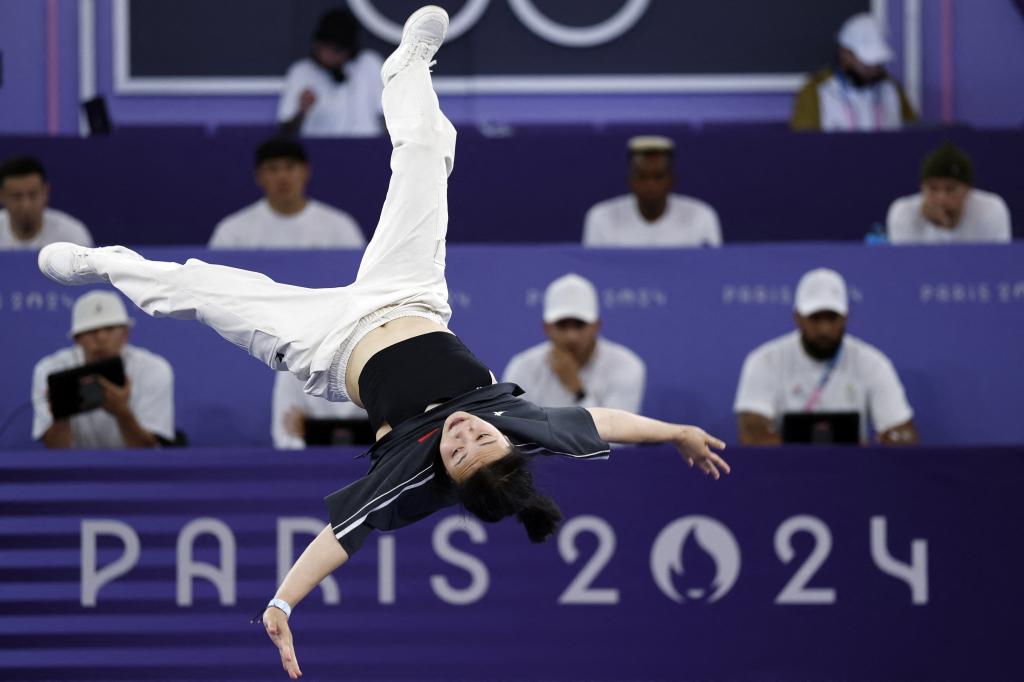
x=311 y=332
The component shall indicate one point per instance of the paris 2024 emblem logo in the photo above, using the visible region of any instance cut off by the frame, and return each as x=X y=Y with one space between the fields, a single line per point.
x=696 y=538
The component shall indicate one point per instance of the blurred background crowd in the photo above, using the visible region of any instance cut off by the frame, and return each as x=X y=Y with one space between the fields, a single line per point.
x=869 y=141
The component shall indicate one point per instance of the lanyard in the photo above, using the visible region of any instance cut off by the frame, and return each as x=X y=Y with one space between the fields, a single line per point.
x=815 y=398
x=847 y=101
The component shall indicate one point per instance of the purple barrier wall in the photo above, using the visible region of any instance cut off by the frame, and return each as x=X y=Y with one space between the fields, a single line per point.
x=951 y=319
x=767 y=184
x=804 y=564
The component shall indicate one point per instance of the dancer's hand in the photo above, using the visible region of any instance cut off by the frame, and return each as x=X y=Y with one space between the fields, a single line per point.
x=695 y=445
x=276 y=625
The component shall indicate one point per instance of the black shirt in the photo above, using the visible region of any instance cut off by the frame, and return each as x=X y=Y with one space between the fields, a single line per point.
x=400 y=487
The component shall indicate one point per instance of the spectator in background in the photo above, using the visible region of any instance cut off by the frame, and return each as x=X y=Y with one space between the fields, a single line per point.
x=25 y=221
x=336 y=91
x=136 y=415
x=292 y=406
x=576 y=366
x=651 y=216
x=856 y=93
x=949 y=208
x=285 y=218
x=821 y=368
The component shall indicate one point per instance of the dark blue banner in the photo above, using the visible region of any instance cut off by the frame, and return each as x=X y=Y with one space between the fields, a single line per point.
x=498 y=37
x=803 y=565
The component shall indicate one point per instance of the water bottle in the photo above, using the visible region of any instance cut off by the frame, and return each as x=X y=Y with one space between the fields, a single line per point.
x=876 y=236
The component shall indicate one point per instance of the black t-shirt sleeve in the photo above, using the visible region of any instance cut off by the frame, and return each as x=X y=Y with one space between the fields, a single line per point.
x=565 y=431
x=396 y=491
x=353 y=540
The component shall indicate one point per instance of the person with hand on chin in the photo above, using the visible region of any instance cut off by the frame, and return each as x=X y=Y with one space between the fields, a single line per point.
x=576 y=365
x=949 y=208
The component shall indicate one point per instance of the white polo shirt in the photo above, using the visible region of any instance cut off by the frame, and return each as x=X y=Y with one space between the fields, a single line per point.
x=614 y=377
x=151 y=399
x=317 y=226
x=58 y=226
x=348 y=109
x=780 y=377
x=618 y=223
x=986 y=218
x=847 y=108
x=288 y=394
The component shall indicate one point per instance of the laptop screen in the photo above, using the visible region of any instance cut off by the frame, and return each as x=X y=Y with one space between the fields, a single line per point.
x=821 y=427
x=338 y=432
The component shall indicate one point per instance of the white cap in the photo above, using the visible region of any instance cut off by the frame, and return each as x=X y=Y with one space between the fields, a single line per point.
x=571 y=297
x=650 y=143
x=821 y=290
x=862 y=35
x=97 y=309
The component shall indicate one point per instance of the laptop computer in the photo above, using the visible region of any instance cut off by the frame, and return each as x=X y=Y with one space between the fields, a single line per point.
x=338 y=431
x=76 y=390
x=821 y=427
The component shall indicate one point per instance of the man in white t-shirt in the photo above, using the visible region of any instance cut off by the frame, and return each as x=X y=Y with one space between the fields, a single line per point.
x=25 y=221
x=821 y=368
x=576 y=366
x=856 y=93
x=336 y=91
x=285 y=218
x=949 y=208
x=139 y=414
x=292 y=406
x=651 y=216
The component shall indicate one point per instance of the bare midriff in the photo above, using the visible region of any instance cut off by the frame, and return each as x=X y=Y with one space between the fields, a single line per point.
x=388 y=334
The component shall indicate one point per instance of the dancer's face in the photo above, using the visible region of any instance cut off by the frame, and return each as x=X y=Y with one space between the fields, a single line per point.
x=468 y=443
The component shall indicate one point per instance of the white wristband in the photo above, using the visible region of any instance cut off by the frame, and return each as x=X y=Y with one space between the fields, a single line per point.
x=281 y=604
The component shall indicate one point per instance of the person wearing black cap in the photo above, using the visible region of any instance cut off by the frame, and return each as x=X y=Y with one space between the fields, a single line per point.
x=335 y=91
x=447 y=432
x=26 y=221
x=285 y=218
x=949 y=207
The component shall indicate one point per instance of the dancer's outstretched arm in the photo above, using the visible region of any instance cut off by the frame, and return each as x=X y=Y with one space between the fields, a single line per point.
x=619 y=426
x=320 y=558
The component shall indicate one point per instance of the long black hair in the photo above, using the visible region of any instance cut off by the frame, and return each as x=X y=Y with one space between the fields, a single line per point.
x=505 y=487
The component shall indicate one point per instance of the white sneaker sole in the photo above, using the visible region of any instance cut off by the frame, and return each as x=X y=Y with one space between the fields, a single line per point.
x=407 y=29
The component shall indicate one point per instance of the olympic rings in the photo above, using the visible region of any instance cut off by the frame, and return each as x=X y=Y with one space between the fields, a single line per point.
x=385 y=29
x=579 y=36
x=532 y=18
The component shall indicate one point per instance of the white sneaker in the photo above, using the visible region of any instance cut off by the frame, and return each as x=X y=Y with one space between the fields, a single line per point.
x=67 y=263
x=422 y=35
